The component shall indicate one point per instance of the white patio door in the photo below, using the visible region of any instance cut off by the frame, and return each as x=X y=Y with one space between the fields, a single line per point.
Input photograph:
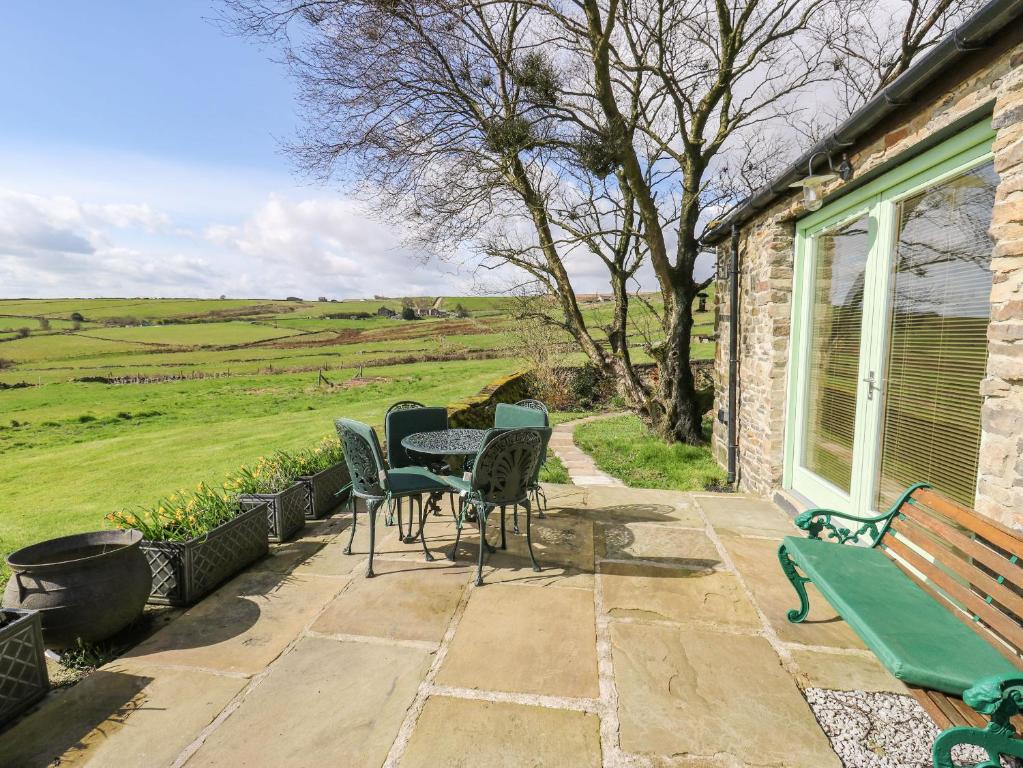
x=890 y=316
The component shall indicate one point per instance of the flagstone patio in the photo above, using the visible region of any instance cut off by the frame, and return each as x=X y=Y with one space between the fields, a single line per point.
x=654 y=636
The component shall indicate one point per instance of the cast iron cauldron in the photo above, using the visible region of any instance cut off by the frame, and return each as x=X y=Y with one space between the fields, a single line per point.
x=88 y=586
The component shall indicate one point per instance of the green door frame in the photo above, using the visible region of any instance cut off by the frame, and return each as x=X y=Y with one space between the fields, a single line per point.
x=878 y=200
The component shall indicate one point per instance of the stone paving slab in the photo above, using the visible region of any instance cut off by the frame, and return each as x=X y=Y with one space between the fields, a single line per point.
x=642 y=505
x=243 y=626
x=746 y=516
x=757 y=561
x=326 y=703
x=675 y=594
x=656 y=544
x=402 y=669
x=693 y=692
x=123 y=716
x=525 y=640
x=448 y=734
x=850 y=672
x=405 y=601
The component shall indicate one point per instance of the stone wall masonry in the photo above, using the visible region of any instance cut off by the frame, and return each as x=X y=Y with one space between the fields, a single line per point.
x=1000 y=471
x=766 y=261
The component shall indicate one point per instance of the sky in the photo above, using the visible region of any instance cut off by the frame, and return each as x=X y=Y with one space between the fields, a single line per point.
x=140 y=156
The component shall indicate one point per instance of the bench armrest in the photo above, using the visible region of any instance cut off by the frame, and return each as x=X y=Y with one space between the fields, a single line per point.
x=1000 y=697
x=816 y=521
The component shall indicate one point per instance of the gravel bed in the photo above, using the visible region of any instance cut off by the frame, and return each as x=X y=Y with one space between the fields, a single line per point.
x=880 y=730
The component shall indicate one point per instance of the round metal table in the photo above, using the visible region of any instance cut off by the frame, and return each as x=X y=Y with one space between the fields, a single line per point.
x=444 y=442
x=434 y=448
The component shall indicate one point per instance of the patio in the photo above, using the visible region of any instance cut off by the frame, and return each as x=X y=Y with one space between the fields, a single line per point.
x=654 y=636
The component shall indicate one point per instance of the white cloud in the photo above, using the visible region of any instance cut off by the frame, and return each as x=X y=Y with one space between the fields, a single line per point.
x=83 y=223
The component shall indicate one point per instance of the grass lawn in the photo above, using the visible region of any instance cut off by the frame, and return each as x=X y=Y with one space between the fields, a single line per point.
x=554 y=471
x=625 y=448
x=230 y=380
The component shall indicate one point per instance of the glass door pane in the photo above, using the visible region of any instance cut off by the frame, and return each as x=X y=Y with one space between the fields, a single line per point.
x=937 y=338
x=832 y=367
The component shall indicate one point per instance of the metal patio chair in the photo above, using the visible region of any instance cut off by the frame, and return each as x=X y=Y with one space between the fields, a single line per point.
x=403 y=405
x=536 y=405
x=376 y=485
x=500 y=478
x=521 y=415
x=399 y=423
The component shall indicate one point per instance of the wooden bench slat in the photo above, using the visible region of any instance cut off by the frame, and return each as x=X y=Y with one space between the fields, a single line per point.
x=937 y=714
x=970 y=600
x=996 y=534
x=967 y=713
x=978 y=578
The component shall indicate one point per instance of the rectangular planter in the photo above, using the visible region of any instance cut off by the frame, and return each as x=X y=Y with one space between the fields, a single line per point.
x=285 y=511
x=23 y=677
x=184 y=571
x=322 y=488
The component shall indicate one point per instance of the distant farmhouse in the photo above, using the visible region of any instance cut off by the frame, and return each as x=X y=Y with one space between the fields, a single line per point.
x=386 y=312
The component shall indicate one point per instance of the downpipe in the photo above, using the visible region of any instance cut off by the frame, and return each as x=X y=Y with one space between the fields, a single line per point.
x=733 y=352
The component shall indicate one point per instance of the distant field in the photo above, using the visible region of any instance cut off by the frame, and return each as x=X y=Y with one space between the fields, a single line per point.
x=229 y=380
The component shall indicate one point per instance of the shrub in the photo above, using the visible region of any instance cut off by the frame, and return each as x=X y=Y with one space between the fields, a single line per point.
x=44 y=324
x=408 y=313
x=5 y=363
x=85 y=418
x=77 y=317
x=24 y=332
x=181 y=516
x=269 y=475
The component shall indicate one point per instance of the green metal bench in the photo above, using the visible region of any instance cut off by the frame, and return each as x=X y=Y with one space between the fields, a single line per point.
x=936 y=592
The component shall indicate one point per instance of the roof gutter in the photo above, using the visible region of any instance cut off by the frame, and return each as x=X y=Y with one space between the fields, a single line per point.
x=995 y=16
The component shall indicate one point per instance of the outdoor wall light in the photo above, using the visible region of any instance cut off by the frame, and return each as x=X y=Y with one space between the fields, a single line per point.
x=812 y=183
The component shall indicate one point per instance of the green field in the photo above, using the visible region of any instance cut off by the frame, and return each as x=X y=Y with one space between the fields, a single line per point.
x=181 y=391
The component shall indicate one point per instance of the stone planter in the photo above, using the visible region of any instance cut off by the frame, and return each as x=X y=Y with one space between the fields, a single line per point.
x=184 y=571
x=285 y=511
x=23 y=678
x=322 y=490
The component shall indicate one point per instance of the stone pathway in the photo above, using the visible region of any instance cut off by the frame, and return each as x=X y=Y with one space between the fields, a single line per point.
x=654 y=636
x=581 y=468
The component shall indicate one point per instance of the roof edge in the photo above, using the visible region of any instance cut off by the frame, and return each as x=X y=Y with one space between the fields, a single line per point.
x=972 y=35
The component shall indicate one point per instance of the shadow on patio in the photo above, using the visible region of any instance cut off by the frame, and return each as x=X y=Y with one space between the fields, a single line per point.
x=654 y=635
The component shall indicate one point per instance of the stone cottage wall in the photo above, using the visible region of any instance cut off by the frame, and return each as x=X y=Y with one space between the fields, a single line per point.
x=1000 y=486
x=766 y=256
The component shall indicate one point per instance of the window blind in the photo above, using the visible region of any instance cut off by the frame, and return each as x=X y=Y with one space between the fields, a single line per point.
x=835 y=331
x=937 y=353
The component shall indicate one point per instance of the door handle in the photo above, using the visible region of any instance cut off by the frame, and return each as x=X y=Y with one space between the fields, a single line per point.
x=871 y=382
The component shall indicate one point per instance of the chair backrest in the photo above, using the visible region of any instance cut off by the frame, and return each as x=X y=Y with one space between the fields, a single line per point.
x=545 y=435
x=403 y=405
x=363 y=456
x=505 y=466
x=968 y=562
x=400 y=424
x=536 y=405
x=509 y=416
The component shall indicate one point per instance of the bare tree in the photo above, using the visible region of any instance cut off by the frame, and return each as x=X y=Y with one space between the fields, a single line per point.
x=877 y=40
x=541 y=131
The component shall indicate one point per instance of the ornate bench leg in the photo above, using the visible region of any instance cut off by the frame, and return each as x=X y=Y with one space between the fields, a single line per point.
x=795 y=616
x=351 y=536
x=995 y=740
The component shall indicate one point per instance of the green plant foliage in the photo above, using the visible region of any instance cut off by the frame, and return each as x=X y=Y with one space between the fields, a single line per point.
x=268 y=475
x=598 y=151
x=510 y=136
x=181 y=516
x=325 y=454
x=538 y=76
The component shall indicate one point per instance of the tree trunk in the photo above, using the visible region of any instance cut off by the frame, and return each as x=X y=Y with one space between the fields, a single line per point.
x=676 y=412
